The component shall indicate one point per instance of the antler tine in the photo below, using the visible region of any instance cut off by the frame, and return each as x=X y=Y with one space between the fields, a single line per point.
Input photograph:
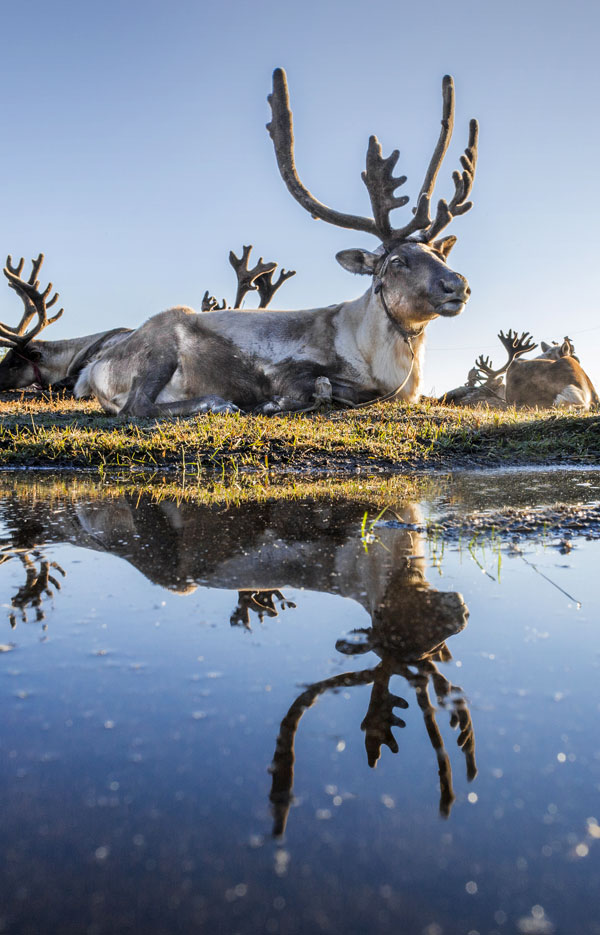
x=463 y=183
x=422 y=219
x=267 y=288
x=247 y=277
x=35 y=302
x=281 y=131
x=29 y=307
x=381 y=185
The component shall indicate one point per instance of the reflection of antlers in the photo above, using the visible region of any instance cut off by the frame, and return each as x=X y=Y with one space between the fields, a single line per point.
x=379 y=721
x=37 y=582
x=261 y=602
x=282 y=768
x=426 y=670
x=380 y=717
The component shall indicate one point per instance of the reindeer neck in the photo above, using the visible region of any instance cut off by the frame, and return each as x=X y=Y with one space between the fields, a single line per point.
x=58 y=355
x=388 y=348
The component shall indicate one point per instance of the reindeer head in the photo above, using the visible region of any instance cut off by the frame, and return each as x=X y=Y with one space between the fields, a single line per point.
x=21 y=366
x=555 y=351
x=409 y=270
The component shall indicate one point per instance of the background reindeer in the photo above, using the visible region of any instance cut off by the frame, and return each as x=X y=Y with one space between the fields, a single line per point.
x=554 y=378
x=528 y=382
x=59 y=363
x=44 y=363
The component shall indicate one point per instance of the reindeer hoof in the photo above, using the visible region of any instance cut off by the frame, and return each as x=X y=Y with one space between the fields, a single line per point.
x=323 y=393
x=225 y=407
x=270 y=408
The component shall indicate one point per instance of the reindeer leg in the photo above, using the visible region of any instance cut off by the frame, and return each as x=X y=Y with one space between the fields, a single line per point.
x=279 y=405
x=141 y=401
x=191 y=407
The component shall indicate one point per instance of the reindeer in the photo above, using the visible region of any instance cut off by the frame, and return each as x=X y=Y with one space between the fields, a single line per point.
x=44 y=363
x=483 y=388
x=554 y=378
x=180 y=363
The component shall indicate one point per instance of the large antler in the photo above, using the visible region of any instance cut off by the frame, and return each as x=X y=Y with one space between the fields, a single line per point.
x=515 y=345
x=34 y=301
x=247 y=277
x=378 y=176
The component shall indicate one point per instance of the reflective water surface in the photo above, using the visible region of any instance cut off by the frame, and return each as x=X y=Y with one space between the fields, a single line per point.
x=194 y=699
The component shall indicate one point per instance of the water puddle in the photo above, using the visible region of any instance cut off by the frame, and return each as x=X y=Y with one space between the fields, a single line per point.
x=195 y=697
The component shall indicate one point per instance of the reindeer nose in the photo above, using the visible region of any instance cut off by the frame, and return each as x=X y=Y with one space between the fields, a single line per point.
x=455 y=286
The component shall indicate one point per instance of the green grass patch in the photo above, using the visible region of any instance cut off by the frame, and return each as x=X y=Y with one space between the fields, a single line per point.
x=383 y=438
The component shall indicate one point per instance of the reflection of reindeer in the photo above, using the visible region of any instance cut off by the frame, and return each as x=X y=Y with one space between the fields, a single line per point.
x=37 y=582
x=259 y=549
x=261 y=602
x=408 y=635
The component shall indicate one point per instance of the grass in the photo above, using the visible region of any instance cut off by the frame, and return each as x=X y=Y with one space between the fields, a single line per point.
x=390 y=437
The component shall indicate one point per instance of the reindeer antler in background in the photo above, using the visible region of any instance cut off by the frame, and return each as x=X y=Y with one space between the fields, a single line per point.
x=247 y=277
x=34 y=301
x=258 y=279
x=267 y=288
x=210 y=304
x=515 y=345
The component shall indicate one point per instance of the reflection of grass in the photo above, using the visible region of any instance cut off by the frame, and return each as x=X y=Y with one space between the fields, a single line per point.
x=69 y=433
x=376 y=493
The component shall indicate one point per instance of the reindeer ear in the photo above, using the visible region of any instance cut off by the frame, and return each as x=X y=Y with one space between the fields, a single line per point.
x=566 y=348
x=444 y=246
x=545 y=347
x=358 y=261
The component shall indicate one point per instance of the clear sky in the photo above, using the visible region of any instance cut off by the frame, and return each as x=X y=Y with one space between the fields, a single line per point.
x=134 y=153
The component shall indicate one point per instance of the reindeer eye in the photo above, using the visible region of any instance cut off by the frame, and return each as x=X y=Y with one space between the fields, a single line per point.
x=398 y=262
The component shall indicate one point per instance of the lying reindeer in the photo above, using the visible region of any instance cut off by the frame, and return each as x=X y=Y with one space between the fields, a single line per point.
x=555 y=378
x=44 y=363
x=479 y=390
x=179 y=363
x=59 y=363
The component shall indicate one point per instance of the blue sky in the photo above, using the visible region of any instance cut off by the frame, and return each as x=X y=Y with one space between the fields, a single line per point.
x=135 y=154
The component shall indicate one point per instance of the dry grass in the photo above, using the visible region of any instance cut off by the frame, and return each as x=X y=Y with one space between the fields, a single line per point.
x=387 y=437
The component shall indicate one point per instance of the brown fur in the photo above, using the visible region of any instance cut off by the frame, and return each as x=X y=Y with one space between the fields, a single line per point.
x=540 y=383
